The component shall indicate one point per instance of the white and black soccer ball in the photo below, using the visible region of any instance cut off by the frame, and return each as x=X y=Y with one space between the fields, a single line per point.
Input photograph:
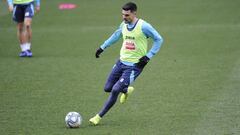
x=73 y=120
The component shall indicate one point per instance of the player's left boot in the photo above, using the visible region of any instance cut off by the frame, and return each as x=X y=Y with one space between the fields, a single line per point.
x=29 y=53
x=124 y=96
x=95 y=120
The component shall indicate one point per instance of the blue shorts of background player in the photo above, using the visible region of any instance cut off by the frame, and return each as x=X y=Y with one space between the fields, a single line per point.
x=22 y=11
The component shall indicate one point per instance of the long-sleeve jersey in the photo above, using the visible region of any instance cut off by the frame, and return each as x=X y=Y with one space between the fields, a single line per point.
x=11 y=2
x=148 y=31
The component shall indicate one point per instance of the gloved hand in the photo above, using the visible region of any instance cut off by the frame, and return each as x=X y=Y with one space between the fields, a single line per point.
x=98 y=52
x=143 y=62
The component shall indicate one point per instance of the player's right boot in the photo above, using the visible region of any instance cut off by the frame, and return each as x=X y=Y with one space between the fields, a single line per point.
x=124 y=96
x=23 y=54
x=95 y=120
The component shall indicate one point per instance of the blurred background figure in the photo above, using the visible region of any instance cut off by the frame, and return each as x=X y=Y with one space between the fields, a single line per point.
x=23 y=12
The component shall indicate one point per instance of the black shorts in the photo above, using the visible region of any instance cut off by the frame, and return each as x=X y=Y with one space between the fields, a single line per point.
x=22 y=11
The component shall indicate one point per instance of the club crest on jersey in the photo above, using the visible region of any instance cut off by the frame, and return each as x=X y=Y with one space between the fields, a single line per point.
x=129 y=45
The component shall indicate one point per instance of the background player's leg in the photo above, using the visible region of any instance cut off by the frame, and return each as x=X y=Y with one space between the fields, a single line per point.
x=21 y=33
x=28 y=15
x=22 y=39
x=28 y=23
x=18 y=16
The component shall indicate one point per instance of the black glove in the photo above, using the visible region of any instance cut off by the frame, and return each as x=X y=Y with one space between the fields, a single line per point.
x=143 y=62
x=98 y=52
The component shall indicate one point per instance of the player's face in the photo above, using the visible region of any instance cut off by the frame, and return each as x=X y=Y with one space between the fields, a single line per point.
x=128 y=16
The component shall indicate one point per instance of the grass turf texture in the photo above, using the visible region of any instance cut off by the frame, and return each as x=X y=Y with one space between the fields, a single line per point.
x=190 y=88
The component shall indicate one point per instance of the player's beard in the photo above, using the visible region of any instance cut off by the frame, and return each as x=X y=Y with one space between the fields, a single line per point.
x=127 y=21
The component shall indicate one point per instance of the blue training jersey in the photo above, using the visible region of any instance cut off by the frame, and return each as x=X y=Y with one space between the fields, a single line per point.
x=147 y=29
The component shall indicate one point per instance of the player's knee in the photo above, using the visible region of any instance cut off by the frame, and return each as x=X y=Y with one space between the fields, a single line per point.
x=28 y=26
x=108 y=88
x=20 y=27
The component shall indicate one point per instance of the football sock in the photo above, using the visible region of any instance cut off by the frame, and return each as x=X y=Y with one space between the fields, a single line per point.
x=23 y=47
x=28 y=46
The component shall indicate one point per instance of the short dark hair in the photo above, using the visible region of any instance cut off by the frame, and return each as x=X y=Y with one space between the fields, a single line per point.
x=130 y=6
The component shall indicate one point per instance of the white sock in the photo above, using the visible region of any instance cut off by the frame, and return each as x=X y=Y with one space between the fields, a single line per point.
x=23 y=47
x=28 y=46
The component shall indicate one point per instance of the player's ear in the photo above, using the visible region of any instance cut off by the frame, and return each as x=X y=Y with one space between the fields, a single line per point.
x=135 y=12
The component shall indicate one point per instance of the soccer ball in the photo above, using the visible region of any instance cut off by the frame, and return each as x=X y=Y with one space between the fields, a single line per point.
x=73 y=120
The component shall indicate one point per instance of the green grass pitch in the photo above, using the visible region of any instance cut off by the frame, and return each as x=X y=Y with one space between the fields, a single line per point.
x=191 y=87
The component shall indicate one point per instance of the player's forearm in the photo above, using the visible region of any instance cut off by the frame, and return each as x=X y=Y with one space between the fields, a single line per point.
x=156 y=47
x=149 y=31
x=37 y=2
x=113 y=39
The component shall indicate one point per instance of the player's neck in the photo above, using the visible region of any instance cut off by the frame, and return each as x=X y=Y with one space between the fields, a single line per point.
x=134 y=20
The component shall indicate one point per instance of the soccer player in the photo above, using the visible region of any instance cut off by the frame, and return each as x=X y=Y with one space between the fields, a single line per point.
x=133 y=56
x=23 y=12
